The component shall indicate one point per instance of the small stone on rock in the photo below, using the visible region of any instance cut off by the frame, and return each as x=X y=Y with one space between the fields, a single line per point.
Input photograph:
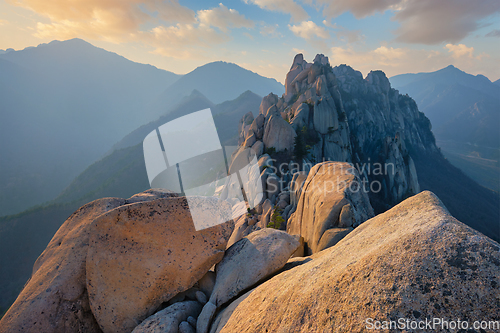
x=201 y=297
x=185 y=327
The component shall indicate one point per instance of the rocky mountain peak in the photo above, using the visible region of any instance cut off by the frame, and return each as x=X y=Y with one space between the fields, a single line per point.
x=321 y=59
x=333 y=114
x=379 y=81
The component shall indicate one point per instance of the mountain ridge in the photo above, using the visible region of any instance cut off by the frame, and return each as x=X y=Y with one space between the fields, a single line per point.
x=90 y=97
x=220 y=81
x=464 y=110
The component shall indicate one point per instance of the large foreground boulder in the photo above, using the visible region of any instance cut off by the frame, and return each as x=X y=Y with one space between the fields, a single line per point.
x=55 y=298
x=414 y=262
x=332 y=196
x=143 y=254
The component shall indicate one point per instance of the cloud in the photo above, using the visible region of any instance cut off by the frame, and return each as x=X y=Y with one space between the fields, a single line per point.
x=350 y=36
x=184 y=41
x=309 y=30
x=283 y=6
x=330 y=25
x=104 y=19
x=433 y=22
x=188 y=34
x=196 y=40
x=460 y=50
x=493 y=33
x=223 y=18
x=382 y=57
x=343 y=34
x=178 y=31
x=3 y=22
x=422 y=21
x=270 y=31
x=389 y=54
x=359 y=8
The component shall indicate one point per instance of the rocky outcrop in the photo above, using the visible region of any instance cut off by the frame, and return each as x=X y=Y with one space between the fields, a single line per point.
x=414 y=262
x=244 y=127
x=55 y=299
x=278 y=134
x=247 y=262
x=332 y=196
x=143 y=254
x=334 y=114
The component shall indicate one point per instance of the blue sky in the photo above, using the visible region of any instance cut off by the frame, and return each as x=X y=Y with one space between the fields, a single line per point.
x=396 y=36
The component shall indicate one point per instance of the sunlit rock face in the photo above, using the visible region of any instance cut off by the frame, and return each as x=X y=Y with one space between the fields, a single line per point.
x=414 y=261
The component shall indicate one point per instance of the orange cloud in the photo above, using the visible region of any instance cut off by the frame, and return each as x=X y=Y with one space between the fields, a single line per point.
x=460 y=50
x=223 y=18
x=104 y=19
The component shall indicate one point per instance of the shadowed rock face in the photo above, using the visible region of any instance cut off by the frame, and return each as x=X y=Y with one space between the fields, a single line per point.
x=143 y=254
x=415 y=261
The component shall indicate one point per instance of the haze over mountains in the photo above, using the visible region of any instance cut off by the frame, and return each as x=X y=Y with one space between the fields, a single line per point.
x=123 y=172
x=464 y=110
x=65 y=104
x=461 y=107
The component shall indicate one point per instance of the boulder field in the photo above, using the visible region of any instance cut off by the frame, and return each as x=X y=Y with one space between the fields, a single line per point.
x=138 y=265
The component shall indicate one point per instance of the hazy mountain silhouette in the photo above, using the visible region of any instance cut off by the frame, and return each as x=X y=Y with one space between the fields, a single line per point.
x=219 y=81
x=497 y=82
x=123 y=173
x=465 y=114
x=63 y=105
x=194 y=102
x=461 y=107
x=226 y=115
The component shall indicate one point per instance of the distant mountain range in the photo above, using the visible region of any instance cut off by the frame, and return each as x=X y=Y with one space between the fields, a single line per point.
x=464 y=110
x=65 y=104
x=461 y=107
x=123 y=173
x=219 y=81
